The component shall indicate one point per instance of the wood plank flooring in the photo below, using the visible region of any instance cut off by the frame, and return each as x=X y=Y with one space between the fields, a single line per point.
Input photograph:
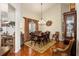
x=26 y=51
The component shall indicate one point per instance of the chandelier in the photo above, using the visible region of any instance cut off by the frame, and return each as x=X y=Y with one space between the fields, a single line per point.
x=41 y=21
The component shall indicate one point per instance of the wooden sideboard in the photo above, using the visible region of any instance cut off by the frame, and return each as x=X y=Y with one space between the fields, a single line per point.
x=8 y=40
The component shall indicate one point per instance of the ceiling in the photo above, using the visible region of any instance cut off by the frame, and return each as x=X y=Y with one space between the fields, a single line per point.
x=36 y=7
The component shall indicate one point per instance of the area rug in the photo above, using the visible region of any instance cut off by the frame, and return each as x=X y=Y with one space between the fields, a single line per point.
x=39 y=49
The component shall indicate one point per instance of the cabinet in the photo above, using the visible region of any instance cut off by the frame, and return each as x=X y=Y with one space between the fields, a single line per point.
x=7 y=26
x=70 y=28
x=70 y=24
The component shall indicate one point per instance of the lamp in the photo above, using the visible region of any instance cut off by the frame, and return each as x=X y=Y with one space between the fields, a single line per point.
x=41 y=21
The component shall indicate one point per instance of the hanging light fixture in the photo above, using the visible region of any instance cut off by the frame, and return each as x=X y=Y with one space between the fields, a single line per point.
x=41 y=21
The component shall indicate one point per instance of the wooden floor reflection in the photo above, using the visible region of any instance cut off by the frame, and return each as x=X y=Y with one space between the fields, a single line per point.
x=26 y=51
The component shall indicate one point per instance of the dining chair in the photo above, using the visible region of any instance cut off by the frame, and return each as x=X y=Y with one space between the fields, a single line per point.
x=42 y=38
x=63 y=51
x=32 y=37
x=53 y=36
x=57 y=36
x=48 y=36
x=35 y=38
x=45 y=37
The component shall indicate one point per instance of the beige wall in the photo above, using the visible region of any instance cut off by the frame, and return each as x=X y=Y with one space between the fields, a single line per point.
x=26 y=13
x=0 y=25
x=77 y=44
x=55 y=14
x=64 y=8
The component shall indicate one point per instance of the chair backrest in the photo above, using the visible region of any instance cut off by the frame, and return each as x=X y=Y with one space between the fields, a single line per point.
x=47 y=34
x=56 y=36
x=68 y=48
x=32 y=35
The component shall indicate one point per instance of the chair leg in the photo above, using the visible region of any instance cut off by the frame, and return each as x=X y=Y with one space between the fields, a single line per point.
x=31 y=42
x=42 y=42
x=35 y=43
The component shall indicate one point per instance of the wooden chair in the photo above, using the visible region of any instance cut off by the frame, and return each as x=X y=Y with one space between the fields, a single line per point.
x=48 y=35
x=53 y=37
x=56 y=36
x=32 y=37
x=64 y=51
x=43 y=38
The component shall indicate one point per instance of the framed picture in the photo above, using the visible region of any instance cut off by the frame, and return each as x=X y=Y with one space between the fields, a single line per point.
x=48 y=23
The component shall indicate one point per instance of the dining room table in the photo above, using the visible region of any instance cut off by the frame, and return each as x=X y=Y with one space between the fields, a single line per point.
x=41 y=37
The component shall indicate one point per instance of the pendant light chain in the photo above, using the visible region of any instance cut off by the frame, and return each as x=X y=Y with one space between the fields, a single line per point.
x=41 y=14
x=41 y=11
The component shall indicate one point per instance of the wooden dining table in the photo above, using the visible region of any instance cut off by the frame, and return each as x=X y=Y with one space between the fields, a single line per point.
x=40 y=37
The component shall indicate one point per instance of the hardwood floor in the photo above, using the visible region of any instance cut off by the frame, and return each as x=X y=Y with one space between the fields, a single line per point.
x=26 y=51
